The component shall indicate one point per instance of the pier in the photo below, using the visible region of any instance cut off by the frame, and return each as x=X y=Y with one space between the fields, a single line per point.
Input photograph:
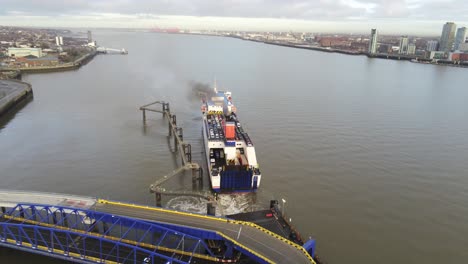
x=105 y=50
x=185 y=152
x=91 y=230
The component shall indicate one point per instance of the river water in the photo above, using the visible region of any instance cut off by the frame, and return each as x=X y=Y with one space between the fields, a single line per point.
x=370 y=155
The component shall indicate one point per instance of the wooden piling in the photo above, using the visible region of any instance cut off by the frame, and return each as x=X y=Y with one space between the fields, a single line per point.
x=158 y=199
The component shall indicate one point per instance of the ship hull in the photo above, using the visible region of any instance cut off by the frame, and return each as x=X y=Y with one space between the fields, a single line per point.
x=230 y=154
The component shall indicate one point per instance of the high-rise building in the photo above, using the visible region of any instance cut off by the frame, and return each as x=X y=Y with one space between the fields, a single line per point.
x=90 y=36
x=460 y=37
x=431 y=45
x=403 y=45
x=373 y=41
x=448 y=37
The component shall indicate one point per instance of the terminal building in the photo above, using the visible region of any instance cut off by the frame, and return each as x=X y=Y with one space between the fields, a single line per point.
x=23 y=52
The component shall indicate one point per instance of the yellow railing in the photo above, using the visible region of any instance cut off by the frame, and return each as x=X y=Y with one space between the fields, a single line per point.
x=144 y=207
x=298 y=247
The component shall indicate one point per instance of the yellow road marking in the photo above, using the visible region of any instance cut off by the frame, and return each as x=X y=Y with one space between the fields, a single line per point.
x=300 y=248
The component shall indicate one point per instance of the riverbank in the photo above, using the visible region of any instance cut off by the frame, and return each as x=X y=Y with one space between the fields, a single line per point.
x=62 y=67
x=373 y=56
x=12 y=92
x=415 y=59
x=7 y=74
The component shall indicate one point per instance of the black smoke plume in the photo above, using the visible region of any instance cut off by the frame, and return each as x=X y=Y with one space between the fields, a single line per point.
x=201 y=90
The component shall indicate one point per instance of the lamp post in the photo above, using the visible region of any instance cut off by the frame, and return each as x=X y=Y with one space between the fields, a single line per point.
x=284 y=205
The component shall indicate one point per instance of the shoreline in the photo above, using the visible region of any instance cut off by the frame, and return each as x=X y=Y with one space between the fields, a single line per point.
x=83 y=60
x=16 y=92
x=413 y=59
x=12 y=96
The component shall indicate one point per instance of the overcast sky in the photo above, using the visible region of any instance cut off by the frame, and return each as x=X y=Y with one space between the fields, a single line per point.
x=421 y=17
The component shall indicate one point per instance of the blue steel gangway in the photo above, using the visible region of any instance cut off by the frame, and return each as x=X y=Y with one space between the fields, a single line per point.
x=89 y=230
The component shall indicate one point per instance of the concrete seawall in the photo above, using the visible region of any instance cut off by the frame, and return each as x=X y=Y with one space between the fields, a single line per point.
x=62 y=67
x=12 y=92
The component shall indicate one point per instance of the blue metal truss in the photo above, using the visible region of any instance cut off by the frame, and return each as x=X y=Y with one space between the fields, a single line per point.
x=89 y=236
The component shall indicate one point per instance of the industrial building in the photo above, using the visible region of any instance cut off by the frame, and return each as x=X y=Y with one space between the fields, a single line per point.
x=59 y=40
x=23 y=52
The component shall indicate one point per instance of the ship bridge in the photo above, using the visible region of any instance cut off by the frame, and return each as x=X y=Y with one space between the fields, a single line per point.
x=90 y=230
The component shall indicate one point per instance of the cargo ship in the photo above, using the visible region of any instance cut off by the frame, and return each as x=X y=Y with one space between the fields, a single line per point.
x=230 y=153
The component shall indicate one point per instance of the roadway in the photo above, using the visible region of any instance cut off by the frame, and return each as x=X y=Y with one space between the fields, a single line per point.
x=246 y=235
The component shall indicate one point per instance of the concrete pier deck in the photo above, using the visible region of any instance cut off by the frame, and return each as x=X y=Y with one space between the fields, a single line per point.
x=268 y=247
x=12 y=92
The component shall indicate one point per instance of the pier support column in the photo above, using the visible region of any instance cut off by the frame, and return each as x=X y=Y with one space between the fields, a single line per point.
x=144 y=116
x=181 y=133
x=175 y=138
x=170 y=127
x=188 y=152
x=197 y=179
x=158 y=197
x=174 y=120
x=210 y=209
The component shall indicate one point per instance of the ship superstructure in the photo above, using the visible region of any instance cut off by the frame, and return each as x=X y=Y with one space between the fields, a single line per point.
x=230 y=153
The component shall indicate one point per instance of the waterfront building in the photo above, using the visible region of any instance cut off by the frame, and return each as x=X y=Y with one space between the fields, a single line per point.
x=403 y=45
x=90 y=36
x=460 y=37
x=373 y=41
x=463 y=47
x=431 y=45
x=385 y=48
x=23 y=52
x=437 y=55
x=30 y=61
x=411 y=49
x=92 y=44
x=448 y=37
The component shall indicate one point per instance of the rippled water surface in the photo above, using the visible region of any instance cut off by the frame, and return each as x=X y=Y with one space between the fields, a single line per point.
x=371 y=155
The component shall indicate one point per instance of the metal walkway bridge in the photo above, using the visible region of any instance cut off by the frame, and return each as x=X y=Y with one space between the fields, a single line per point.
x=90 y=230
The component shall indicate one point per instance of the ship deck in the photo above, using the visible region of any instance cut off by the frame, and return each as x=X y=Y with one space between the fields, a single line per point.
x=215 y=131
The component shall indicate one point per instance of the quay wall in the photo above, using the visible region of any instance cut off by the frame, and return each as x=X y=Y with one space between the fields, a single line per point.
x=12 y=92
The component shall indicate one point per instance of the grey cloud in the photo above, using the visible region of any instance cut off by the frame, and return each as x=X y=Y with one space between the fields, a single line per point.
x=297 y=9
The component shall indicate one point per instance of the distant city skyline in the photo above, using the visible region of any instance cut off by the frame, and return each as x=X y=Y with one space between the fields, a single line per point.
x=413 y=17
